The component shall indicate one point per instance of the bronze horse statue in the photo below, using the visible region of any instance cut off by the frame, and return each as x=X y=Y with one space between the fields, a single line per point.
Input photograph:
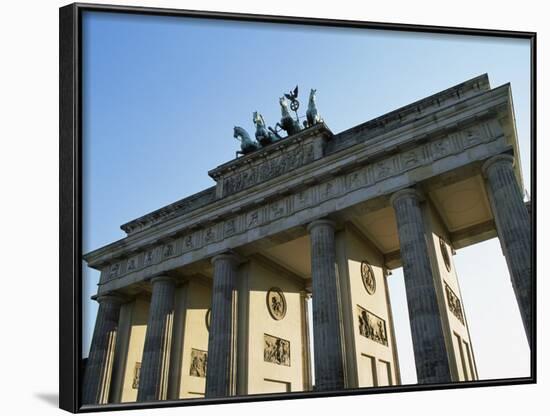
x=287 y=123
x=263 y=135
x=247 y=144
x=312 y=114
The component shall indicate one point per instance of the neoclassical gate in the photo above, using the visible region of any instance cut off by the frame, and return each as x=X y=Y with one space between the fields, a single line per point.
x=208 y=295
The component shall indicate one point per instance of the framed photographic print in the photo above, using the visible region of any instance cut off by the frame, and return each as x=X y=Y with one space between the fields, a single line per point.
x=265 y=207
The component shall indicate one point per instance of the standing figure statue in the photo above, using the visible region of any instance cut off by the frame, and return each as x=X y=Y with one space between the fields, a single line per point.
x=287 y=123
x=312 y=114
x=247 y=144
x=263 y=136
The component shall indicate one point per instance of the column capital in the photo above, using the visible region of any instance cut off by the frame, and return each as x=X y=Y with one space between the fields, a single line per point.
x=109 y=298
x=408 y=193
x=321 y=221
x=229 y=256
x=305 y=294
x=498 y=159
x=163 y=278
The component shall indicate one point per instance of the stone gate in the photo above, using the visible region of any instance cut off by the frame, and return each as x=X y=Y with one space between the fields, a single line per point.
x=208 y=296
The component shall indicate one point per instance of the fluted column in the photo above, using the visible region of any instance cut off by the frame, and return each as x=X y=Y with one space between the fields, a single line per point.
x=97 y=376
x=153 y=378
x=327 y=335
x=430 y=354
x=514 y=230
x=220 y=374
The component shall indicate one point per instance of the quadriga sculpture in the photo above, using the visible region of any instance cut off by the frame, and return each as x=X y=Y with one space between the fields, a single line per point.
x=263 y=135
x=312 y=114
x=247 y=144
x=287 y=123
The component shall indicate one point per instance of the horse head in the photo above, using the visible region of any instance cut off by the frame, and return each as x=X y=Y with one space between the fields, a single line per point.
x=284 y=107
x=312 y=95
x=241 y=134
x=258 y=119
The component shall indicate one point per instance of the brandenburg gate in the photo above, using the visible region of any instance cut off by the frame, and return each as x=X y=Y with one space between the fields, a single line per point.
x=208 y=296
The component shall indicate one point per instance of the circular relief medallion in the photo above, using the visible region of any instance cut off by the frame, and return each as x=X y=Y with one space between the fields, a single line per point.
x=445 y=253
x=207 y=318
x=367 y=275
x=276 y=303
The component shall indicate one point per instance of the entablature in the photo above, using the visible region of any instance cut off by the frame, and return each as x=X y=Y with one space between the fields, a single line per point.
x=446 y=140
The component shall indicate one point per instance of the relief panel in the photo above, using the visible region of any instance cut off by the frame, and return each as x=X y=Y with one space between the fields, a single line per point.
x=453 y=302
x=276 y=350
x=135 y=380
x=291 y=159
x=372 y=326
x=199 y=362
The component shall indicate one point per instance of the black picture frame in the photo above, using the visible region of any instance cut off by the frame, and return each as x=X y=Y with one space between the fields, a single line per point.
x=70 y=203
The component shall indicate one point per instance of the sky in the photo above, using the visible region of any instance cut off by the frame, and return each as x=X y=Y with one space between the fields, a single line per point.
x=161 y=96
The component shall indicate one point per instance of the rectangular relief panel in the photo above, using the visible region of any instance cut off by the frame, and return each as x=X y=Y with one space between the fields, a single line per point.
x=199 y=362
x=276 y=350
x=372 y=326
x=453 y=302
x=137 y=371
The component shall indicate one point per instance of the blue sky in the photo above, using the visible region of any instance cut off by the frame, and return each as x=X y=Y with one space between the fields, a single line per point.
x=161 y=96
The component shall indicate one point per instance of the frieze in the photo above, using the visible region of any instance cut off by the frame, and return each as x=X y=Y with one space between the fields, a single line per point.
x=440 y=148
x=180 y=207
x=356 y=179
x=149 y=257
x=276 y=350
x=253 y=218
x=313 y=195
x=132 y=264
x=169 y=250
x=209 y=235
x=384 y=168
x=411 y=158
x=189 y=242
x=303 y=199
x=114 y=270
x=471 y=137
x=291 y=159
x=328 y=189
x=230 y=227
x=454 y=304
x=372 y=326
x=278 y=209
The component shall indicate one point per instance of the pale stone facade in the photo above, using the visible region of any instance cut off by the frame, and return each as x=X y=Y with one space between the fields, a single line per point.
x=208 y=296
